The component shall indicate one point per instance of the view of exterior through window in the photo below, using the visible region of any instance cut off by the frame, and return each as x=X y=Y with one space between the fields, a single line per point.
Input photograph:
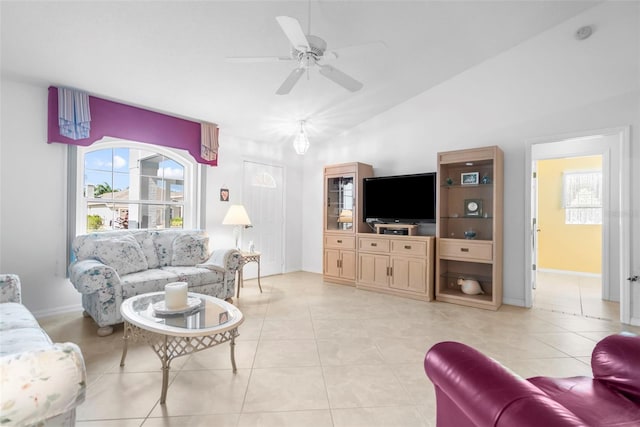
x=132 y=188
x=582 y=197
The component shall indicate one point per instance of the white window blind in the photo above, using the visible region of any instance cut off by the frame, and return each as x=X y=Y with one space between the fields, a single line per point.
x=582 y=197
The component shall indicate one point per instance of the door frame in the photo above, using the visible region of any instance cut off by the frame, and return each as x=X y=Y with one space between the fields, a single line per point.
x=620 y=180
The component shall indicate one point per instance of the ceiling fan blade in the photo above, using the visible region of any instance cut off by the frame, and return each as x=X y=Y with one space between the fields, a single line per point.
x=294 y=33
x=244 y=59
x=362 y=48
x=290 y=81
x=340 y=78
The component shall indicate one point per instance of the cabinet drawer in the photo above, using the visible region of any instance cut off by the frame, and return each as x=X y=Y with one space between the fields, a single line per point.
x=373 y=245
x=409 y=247
x=342 y=242
x=465 y=249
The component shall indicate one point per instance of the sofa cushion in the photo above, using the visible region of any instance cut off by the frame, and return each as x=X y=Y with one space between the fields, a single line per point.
x=23 y=339
x=189 y=250
x=152 y=280
x=148 y=248
x=123 y=253
x=195 y=276
x=14 y=315
x=164 y=243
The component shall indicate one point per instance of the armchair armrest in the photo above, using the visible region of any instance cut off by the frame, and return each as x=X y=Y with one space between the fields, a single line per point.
x=10 y=288
x=223 y=260
x=483 y=391
x=40 y=384
x=615 y=361
x=90 y=275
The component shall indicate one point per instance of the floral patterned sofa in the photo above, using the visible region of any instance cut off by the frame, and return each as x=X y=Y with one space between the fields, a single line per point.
x=41 y=383
x=109 y=267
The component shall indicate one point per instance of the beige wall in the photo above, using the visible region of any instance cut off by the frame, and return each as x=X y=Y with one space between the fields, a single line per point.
x=567 y=247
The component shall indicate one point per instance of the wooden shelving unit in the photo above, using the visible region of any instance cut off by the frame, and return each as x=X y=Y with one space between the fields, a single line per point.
x=342 y=219
x=469 y=242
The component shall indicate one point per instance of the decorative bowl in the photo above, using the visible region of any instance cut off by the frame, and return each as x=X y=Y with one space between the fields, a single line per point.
x=469 y=234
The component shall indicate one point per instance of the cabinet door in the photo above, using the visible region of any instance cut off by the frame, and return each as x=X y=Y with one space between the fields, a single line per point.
x=331 y=265
x=339 y=203
x=373 y=270
x=348 y=265
x=409 y=274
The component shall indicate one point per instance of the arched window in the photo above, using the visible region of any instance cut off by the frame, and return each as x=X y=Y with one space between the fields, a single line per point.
x=123 y=184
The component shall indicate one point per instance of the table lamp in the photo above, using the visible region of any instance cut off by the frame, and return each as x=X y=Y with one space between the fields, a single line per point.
x=237 y=215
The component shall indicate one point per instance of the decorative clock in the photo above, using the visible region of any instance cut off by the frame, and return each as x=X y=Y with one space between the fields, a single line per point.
x=473 y=207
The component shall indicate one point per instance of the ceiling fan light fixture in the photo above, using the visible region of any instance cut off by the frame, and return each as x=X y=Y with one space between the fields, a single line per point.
x=301 y=143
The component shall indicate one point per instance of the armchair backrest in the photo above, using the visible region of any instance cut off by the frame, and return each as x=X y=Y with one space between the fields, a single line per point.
x=10 y=288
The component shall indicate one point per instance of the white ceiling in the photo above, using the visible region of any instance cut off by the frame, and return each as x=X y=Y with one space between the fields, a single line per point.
x=170 y=56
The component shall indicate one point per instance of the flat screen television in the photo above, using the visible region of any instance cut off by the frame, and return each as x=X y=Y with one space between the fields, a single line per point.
x=400 y=199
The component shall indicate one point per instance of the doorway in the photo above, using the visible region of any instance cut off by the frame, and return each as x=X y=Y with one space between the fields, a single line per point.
x=263 y=196
x=612 y=146
x=568 y=244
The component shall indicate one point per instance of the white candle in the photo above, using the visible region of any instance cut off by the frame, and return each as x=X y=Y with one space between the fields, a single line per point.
x=175 y=295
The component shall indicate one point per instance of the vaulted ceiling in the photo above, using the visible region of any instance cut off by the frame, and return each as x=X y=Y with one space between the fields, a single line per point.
x=171 y=56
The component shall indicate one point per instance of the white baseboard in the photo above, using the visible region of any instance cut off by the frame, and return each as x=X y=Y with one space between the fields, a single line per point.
x=518 y=302
x=569 y=273
x=57 y=310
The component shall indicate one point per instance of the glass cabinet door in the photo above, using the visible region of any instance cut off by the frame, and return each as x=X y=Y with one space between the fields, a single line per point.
x=340 y=203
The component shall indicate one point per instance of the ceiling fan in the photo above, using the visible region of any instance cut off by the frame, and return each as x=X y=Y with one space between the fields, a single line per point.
x=308 y=51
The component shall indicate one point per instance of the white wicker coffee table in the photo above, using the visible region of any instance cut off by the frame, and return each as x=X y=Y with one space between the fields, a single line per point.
x=176 y=335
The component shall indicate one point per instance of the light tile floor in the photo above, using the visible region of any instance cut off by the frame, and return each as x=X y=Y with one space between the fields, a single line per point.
x=317 y=354
x=573 y=294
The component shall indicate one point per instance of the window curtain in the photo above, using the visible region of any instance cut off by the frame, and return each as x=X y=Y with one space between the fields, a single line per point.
x=113 y=119
x=74 y=117
x=582 y=197
x=209 y=141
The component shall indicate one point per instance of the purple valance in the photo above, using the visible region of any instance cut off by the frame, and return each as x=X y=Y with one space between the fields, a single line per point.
x=117 y=120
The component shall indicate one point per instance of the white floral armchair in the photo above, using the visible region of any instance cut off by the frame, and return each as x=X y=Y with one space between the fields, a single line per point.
x=41 y=383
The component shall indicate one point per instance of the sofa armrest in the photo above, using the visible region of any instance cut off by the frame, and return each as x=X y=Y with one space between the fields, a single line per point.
x=10 y=288
x=223 y=260
x=90 y=275
x=486 y=392
x=615 y=361
x=40 y=384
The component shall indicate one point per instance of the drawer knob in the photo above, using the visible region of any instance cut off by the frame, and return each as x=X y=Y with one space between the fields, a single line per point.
x=374 y=244
x=464 y=249
x=339 y=241
x=407 y=246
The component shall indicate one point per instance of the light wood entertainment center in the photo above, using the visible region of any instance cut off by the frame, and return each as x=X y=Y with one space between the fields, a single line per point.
x=399 y=265
x=395 y=260
x=354 y=255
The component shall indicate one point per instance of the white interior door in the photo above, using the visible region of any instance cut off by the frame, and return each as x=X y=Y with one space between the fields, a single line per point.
x=263 y=197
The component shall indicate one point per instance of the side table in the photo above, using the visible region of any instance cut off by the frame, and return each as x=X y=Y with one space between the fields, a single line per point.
x=245 y=258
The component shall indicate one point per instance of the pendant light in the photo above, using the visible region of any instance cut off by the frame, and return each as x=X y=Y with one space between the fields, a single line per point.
x=301 y=143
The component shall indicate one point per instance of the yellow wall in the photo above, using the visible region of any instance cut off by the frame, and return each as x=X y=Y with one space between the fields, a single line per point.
x=561 y=246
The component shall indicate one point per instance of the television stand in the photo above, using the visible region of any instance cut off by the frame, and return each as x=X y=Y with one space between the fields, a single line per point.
x=398 y=229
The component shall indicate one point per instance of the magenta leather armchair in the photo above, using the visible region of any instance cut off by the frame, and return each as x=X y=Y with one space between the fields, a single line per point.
x=475 y=390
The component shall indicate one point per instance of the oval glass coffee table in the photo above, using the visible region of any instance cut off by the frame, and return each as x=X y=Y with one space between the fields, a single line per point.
x=207 y=325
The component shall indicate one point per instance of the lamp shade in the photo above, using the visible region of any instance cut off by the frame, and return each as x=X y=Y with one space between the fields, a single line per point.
x=301 y=143
x=236 y=215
